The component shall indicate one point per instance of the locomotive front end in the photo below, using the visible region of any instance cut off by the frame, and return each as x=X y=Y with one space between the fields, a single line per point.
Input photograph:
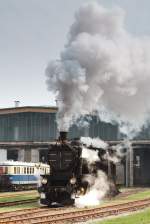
x=65 y=177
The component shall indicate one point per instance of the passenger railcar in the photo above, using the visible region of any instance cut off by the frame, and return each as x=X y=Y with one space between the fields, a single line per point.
x=15 y=175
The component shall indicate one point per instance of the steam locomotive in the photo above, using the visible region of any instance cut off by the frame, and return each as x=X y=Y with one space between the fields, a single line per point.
x=67 y=169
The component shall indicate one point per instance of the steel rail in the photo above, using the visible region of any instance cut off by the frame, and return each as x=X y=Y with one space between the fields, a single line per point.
x=16 y=194
x=17 y=202
x=78 y=215
x=7 y=216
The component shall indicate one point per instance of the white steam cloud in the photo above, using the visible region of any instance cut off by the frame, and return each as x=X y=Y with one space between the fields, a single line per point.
x=99 y=188
x=94 y=142
x=102 y=68
x=90 y=155
x=114 y=155
x=98 y=183
x=119 y=151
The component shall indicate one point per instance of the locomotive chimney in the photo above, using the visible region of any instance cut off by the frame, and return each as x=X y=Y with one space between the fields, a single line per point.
x=63 y=136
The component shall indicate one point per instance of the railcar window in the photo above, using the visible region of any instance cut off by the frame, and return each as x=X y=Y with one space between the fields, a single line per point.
x=30 y=170
x=15 y=170
x=25 y=170
x=18 y=170
x=1 y=170
x=6 y=170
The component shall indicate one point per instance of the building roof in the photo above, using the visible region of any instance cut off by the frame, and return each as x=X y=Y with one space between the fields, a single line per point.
x=39 y=109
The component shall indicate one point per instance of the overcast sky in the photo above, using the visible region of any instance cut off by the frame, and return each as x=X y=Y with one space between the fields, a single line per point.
x=33 y=32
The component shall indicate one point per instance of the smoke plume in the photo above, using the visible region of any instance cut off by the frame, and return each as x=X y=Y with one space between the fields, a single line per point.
x=102 y=67
x=118 y=152
x=99 y=188
x=98 y=184
x=115 y=154
x=90 y=155
x=94 y=142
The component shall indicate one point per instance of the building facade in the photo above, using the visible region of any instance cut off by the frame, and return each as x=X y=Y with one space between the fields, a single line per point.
x=21 y=126
x=28 y=124
x=26 y=134
x=134 y=169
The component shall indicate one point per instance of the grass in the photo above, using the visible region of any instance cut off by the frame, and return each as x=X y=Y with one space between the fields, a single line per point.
x=19 y=196
x=19 y=207
x=142 y=217
x=16 y=196
x=133 y=197
x=136 y=218
x=140 y=195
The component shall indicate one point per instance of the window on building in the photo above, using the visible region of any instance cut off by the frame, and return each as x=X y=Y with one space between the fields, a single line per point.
x=12 y=155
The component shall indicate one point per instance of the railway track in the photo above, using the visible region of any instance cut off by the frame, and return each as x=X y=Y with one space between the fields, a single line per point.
x=57 y=216
x=17 y=202
x=16 y=194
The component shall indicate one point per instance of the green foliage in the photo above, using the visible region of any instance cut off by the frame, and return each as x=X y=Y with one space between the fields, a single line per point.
x=136 y=218
x=18 y=197
x=19 y=207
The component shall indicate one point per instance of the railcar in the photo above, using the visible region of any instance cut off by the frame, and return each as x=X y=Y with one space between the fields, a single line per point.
x=15 y=175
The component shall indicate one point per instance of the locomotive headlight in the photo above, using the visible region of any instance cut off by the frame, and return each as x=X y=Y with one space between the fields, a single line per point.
x=73 y=180
x=44 y=181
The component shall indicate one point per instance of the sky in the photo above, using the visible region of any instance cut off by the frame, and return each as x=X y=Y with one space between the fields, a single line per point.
x=33 y=32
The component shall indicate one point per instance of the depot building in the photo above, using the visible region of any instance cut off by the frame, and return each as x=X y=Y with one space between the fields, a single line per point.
x=26 y=134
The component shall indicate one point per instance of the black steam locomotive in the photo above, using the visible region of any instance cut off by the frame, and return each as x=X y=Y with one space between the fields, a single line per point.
x=66 y=173
x=67 y=169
